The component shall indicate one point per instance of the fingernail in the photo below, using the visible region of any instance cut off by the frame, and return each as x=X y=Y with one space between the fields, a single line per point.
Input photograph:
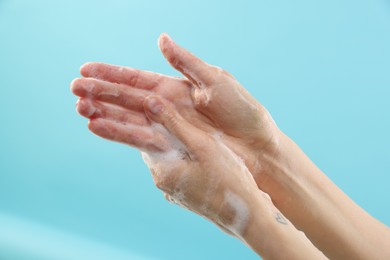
x=154 y=105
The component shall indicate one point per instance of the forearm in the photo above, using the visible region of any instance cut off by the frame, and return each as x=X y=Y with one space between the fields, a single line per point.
x=332 y=221
x=272 y=236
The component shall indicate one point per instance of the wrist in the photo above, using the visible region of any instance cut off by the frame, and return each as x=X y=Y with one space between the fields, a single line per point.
x=270 y=159
x=314 y=203
x=260 y=231
x=272 y=236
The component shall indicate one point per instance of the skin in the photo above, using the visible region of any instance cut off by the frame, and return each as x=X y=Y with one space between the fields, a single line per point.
x=213 y=101
x=209 y=175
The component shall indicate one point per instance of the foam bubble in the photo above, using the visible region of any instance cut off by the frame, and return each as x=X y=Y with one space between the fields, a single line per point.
x=175 y=153
x=241 y=211
x=113 y=92
x=168 y=158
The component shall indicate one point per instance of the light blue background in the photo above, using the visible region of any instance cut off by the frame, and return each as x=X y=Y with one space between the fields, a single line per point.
x=320 y=67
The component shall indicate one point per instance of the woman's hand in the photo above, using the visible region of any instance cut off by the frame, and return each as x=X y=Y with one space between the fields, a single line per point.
x=214 y=102
x=198 y=172
x=209 y=97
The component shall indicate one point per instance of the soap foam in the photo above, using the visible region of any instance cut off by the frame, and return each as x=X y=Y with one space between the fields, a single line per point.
x=175 y=153
x=170 y=156
x=241 y=211
x=113 y=92
x=178 y=197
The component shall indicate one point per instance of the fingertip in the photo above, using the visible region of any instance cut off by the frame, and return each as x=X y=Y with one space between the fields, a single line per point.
x=77 y=87
x=92 y=124
x=86 y=108
x=97 y=126
x=162 y=40
x=74 y=86
x=87 y=69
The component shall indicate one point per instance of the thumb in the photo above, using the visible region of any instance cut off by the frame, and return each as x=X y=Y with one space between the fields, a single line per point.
x=196 y=70
x=163 y=112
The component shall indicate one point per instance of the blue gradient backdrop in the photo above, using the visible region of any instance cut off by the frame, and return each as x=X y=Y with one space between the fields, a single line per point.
x=320 y=67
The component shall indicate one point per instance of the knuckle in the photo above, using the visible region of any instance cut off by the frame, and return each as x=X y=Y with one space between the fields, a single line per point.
x=206 y=147
x=200 y=97
x=221 y=73
x=133 y=80
x=172 y=120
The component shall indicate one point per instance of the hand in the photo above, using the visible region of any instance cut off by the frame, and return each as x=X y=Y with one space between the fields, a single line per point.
x=200 y=173
x=197 y=171
x=209 y=97
x=215 y=103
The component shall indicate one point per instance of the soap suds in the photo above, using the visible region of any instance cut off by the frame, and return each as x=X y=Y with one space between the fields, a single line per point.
x=241 y=211
x=175 y=152
x=113 y=92
x=178 y=197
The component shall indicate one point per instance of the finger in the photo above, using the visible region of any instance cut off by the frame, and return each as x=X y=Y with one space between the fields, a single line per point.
x=163 y=112
x=140 y=137
x=118 y=94
x=94 y=109
x=196 y=70
x=124 y=75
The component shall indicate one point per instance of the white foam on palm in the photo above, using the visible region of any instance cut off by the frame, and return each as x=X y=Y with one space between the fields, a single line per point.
x=168 y=158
